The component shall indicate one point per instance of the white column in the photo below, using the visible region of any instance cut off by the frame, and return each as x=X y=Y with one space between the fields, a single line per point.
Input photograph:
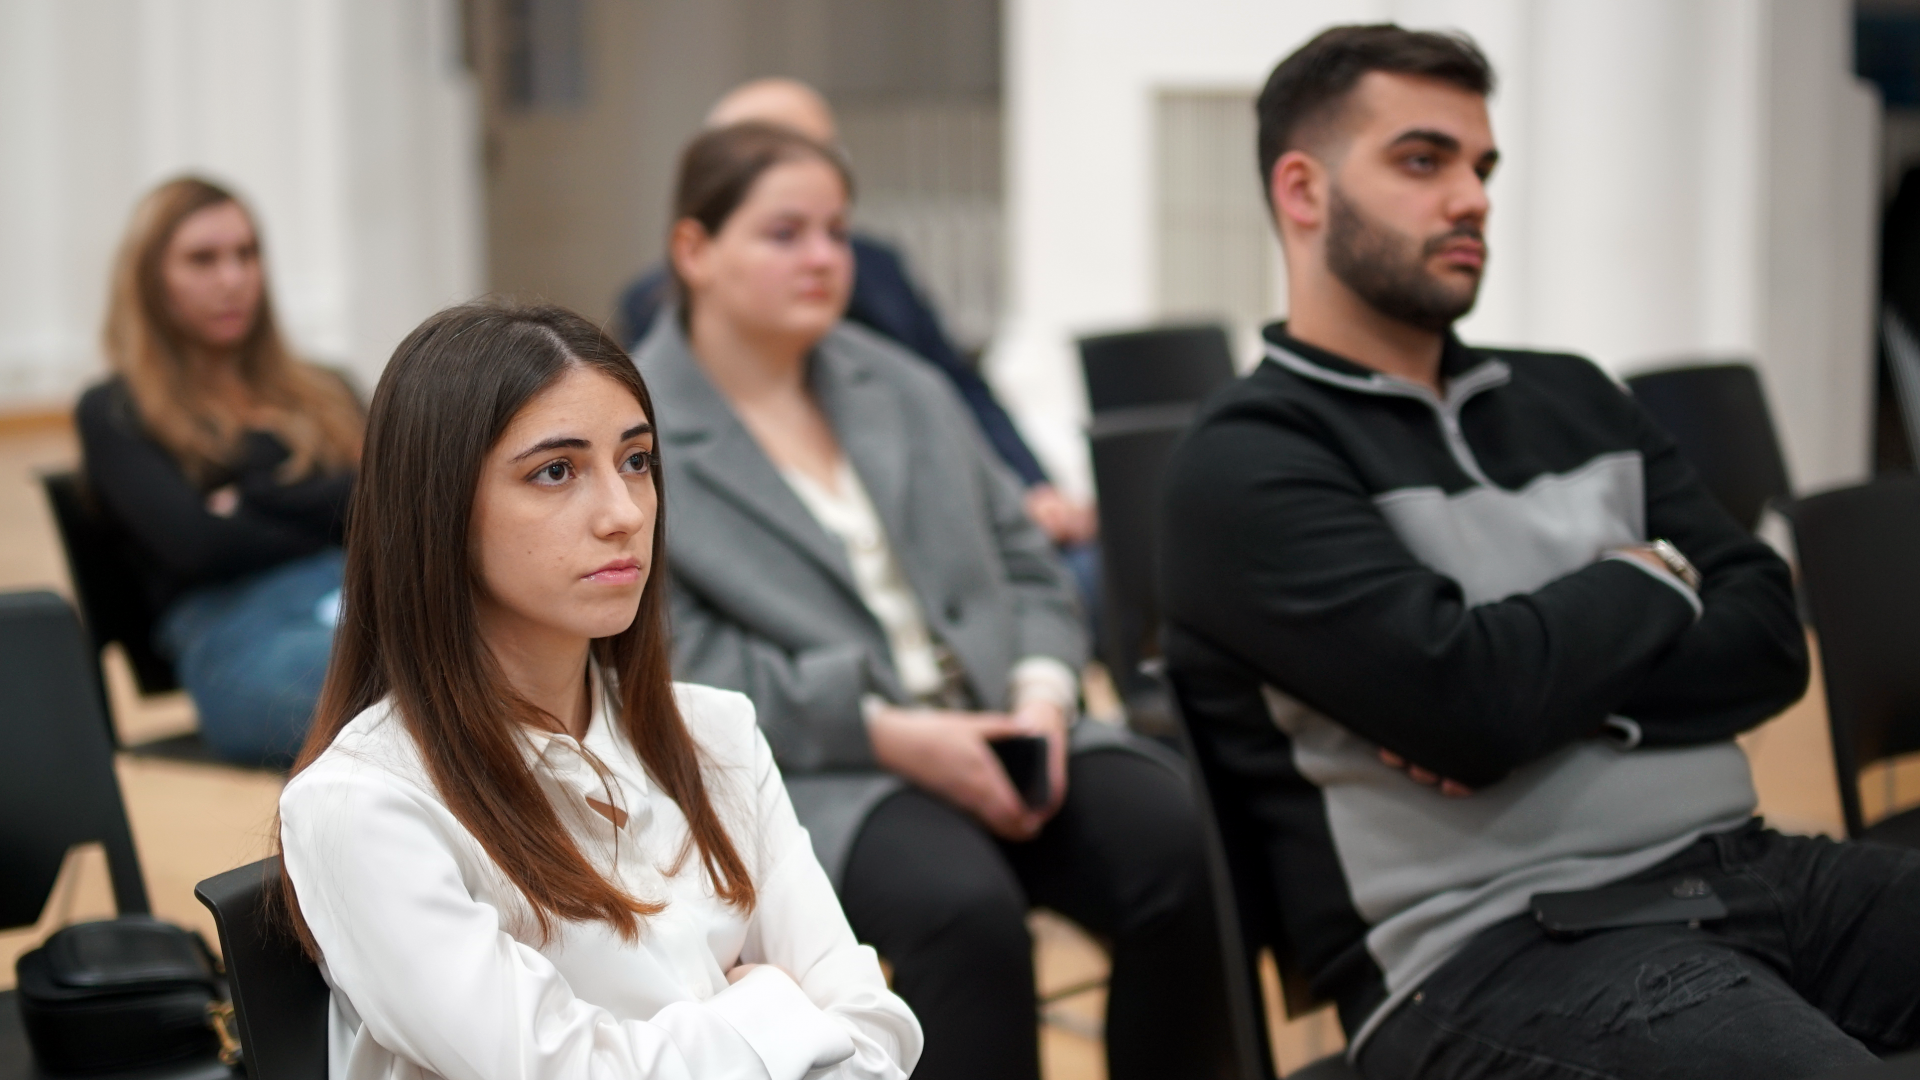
x=349 y=125
x=412 y=185
x=1818 y=242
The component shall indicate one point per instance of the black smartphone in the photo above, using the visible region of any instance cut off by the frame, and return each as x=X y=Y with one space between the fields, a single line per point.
x=1570 y=914
x=1025 y=759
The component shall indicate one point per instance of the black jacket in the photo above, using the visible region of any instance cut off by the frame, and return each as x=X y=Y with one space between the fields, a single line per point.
x=179 y=544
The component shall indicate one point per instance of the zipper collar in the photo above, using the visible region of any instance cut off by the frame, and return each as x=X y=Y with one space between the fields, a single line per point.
x=1458 y=390
x=1335 y=370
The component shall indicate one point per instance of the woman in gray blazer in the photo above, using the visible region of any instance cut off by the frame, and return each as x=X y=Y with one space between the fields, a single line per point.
x=847 y=551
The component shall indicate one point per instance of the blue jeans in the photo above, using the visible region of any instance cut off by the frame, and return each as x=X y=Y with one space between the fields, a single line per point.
x=1817 y=966
x=252 y=654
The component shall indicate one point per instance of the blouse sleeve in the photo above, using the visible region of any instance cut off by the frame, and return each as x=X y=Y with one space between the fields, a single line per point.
x=799 y=928
x=436 y=979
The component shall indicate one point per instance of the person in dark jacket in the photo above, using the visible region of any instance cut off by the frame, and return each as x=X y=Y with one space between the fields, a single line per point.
x=1461 y=628
x=227 y=463
x=885 y=300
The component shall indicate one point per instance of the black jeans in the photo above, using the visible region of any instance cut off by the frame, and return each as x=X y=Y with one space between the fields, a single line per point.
x=946 y=903
x=1816 y=966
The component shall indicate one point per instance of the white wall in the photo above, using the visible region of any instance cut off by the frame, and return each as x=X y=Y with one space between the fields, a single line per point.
x=1819 y=246
x=349 y=125
x=1680 y=178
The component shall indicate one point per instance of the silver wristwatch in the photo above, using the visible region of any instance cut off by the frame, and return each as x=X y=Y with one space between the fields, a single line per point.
x=1677 y=563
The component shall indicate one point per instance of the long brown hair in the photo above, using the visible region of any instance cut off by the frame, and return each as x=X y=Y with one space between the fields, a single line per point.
x=719 y=168
x=408 y=628
x=312 y=412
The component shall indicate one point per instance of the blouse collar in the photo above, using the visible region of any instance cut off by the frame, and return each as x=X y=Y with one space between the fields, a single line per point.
x=562 y=757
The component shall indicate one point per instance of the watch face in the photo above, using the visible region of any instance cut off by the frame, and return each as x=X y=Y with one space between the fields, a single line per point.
x=1677 y=562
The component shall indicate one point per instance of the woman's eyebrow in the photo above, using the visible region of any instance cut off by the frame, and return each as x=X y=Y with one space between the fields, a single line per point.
x=558 y=442
x=574 y=442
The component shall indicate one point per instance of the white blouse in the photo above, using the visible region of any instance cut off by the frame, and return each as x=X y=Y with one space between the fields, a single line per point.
x=847 y=514
x=436 y=964
x=849 y=517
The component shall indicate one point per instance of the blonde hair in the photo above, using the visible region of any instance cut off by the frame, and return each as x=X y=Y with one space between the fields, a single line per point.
x=310 y=410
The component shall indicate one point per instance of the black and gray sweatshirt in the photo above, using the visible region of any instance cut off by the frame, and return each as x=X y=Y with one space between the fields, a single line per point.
x=1351 y=563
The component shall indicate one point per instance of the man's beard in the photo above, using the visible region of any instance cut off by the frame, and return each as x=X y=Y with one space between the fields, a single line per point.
x=1388 y=269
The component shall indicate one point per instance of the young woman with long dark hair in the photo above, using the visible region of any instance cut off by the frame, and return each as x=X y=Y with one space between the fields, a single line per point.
x=517 y=849
x=850 y=554
x=228 y=462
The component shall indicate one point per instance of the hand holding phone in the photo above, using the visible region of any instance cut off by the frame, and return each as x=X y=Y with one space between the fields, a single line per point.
x=1025 y=759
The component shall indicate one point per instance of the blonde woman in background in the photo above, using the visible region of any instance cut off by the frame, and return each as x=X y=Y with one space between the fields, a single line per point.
x=227 y=462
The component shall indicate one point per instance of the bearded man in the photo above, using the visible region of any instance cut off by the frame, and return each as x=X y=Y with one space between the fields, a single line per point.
x=1464 y=644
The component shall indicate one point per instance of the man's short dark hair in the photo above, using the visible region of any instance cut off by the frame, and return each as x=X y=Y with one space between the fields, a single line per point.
x=1307 y=88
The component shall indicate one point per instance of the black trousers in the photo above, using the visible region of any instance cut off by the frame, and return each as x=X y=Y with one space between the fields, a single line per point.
x=1817 y=966
x=946 y=902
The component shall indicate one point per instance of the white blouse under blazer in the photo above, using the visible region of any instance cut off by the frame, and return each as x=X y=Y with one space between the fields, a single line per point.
x=437 y=968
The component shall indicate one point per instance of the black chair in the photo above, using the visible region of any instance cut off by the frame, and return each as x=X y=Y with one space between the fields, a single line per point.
x=57 y=789
x=1160 y=366
x=1246 y=913
x=1717 y=415
x=114 y=605
x=279 y=999
x=1130 y=450
x=1898 y=379
x=112 y=594
x=1859 y=551
x=57 y=786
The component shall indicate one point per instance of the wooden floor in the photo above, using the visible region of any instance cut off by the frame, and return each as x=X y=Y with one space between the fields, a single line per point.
x=191 y=821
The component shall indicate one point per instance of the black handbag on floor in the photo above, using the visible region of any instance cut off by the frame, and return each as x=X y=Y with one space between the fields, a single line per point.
x=120 y=994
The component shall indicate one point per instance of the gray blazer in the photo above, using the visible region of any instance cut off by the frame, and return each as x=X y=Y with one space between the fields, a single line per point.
x=764 y=600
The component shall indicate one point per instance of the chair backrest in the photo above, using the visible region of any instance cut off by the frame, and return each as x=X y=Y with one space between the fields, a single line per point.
x=279 y=999
x=1859 y=551
x=1717 y=415
x=1901 y=353
x=1130 y=451
x=57 y=785
x=1239 y=903
x=113 y=598
x=1161 y=366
